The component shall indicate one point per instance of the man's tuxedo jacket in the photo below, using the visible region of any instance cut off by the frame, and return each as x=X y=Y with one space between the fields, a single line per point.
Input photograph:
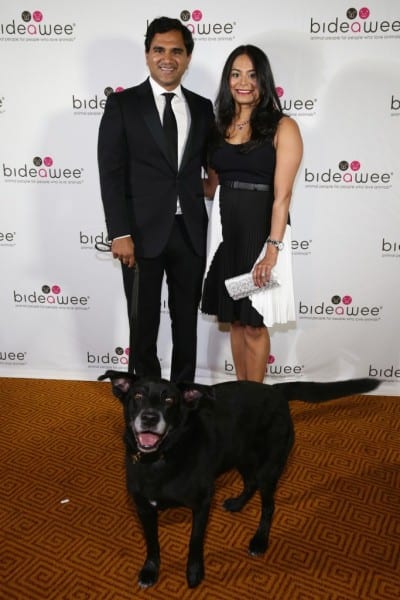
x=139 y=185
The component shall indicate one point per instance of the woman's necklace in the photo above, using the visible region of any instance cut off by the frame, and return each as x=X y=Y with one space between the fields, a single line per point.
x=242 y=124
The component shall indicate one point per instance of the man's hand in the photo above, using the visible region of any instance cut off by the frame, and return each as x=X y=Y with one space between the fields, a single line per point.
x=124 y=250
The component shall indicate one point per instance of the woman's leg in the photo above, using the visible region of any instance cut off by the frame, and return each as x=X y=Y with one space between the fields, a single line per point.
x=250 y=350
x=257 y=349
x=238 y=350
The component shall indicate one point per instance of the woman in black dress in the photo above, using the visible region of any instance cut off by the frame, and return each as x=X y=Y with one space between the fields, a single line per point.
x=254 y=158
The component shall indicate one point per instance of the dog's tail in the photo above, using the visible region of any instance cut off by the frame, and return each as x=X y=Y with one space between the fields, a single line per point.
x=322 y=392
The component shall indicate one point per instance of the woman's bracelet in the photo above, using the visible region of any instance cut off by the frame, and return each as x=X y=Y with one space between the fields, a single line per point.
x=278 y=245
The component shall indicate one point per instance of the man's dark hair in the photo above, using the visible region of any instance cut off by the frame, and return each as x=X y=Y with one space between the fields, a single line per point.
x=164 y=24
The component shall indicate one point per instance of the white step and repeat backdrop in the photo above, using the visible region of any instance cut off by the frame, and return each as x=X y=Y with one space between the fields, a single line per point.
x=337 y=67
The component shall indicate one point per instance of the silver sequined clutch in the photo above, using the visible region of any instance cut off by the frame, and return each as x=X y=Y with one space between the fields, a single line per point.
x=243 y=285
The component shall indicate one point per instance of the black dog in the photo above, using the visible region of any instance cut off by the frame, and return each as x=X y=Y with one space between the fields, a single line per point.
x=179 y=438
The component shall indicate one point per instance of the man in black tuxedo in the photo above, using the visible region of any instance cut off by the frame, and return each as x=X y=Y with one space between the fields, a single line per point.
x=153 y=196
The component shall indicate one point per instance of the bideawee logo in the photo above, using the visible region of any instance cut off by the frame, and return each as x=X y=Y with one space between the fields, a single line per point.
x=295 y=106
x=390 y=248
x=390 y=373
x=348 y=175
x=301 y=247
x=41 y=170
x=339 y=308
x=92 y=105
x=354 y=24
x=13 y=358
x=204 y=29
x=33 y=27
x=8 y=238
x=88 y=241
x=395 y=106
x=49 y=297
x=119 y=357
x=281 y=371
x=274 y=369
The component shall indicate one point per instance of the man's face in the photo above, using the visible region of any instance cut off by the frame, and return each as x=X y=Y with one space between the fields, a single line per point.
x=167 y=59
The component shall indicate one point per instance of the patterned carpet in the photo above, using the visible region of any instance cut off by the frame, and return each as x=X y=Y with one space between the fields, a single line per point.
x=69 y=531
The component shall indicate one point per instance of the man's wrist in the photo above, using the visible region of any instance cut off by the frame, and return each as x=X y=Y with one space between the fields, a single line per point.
x=120 y=237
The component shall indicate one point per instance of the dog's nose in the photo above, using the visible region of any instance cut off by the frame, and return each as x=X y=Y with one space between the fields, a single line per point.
x=149 y=418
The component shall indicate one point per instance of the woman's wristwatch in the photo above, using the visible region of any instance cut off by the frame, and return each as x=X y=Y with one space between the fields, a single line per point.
x=278 y=244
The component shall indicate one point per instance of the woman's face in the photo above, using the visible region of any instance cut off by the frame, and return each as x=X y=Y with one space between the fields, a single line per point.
x=243 y=82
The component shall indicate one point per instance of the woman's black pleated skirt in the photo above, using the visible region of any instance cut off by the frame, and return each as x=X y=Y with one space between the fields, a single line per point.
x=246 y=222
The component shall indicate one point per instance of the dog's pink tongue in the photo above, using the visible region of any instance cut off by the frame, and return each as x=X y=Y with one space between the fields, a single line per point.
x=148 y=440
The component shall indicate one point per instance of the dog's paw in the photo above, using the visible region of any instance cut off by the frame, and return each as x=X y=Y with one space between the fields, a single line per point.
x=194 y=574
x=258 y=546
x=148 y=575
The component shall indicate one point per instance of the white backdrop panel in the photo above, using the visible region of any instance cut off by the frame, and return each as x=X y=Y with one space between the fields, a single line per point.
x=336 y=68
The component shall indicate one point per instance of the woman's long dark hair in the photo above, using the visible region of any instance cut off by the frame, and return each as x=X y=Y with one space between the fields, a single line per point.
x=265 y=116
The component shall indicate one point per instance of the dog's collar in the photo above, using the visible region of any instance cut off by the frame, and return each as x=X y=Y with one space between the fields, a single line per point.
x=138 y=456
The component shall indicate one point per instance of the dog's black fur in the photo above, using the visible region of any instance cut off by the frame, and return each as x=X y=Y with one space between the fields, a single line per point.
x=179 y=438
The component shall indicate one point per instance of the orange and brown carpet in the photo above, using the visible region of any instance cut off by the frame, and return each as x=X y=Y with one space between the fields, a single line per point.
x=69 y=530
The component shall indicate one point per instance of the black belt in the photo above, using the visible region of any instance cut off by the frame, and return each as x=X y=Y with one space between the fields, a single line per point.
x=244 y=185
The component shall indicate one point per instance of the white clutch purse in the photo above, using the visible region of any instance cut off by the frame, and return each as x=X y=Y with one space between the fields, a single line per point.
x=243 y=285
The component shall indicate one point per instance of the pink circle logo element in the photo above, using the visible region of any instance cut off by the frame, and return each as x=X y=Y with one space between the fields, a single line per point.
x=37 y=16
x=279 y=91
x=55 y=289
x=271 y=359
x=127 y=351
x=48 y=161
x=363 y=13
x=355 y=165
x=347 y=299
x=197 y=15
x=119 y=89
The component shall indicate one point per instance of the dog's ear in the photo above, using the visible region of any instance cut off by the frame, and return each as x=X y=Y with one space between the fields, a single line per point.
x=195 y=393
x=121 y=382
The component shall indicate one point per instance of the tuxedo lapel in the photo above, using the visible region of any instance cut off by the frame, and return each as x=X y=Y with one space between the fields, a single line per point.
x=194 y=127
x=152 y=118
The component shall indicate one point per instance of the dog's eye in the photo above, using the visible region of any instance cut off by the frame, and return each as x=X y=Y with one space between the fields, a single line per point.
x=138 y=396
x=169 y=400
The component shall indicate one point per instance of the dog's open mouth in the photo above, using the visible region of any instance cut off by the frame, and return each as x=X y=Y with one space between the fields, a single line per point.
x=148 y=441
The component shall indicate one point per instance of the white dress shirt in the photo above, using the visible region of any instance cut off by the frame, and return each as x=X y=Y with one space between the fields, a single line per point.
x=182 y=116
x=181 y=112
